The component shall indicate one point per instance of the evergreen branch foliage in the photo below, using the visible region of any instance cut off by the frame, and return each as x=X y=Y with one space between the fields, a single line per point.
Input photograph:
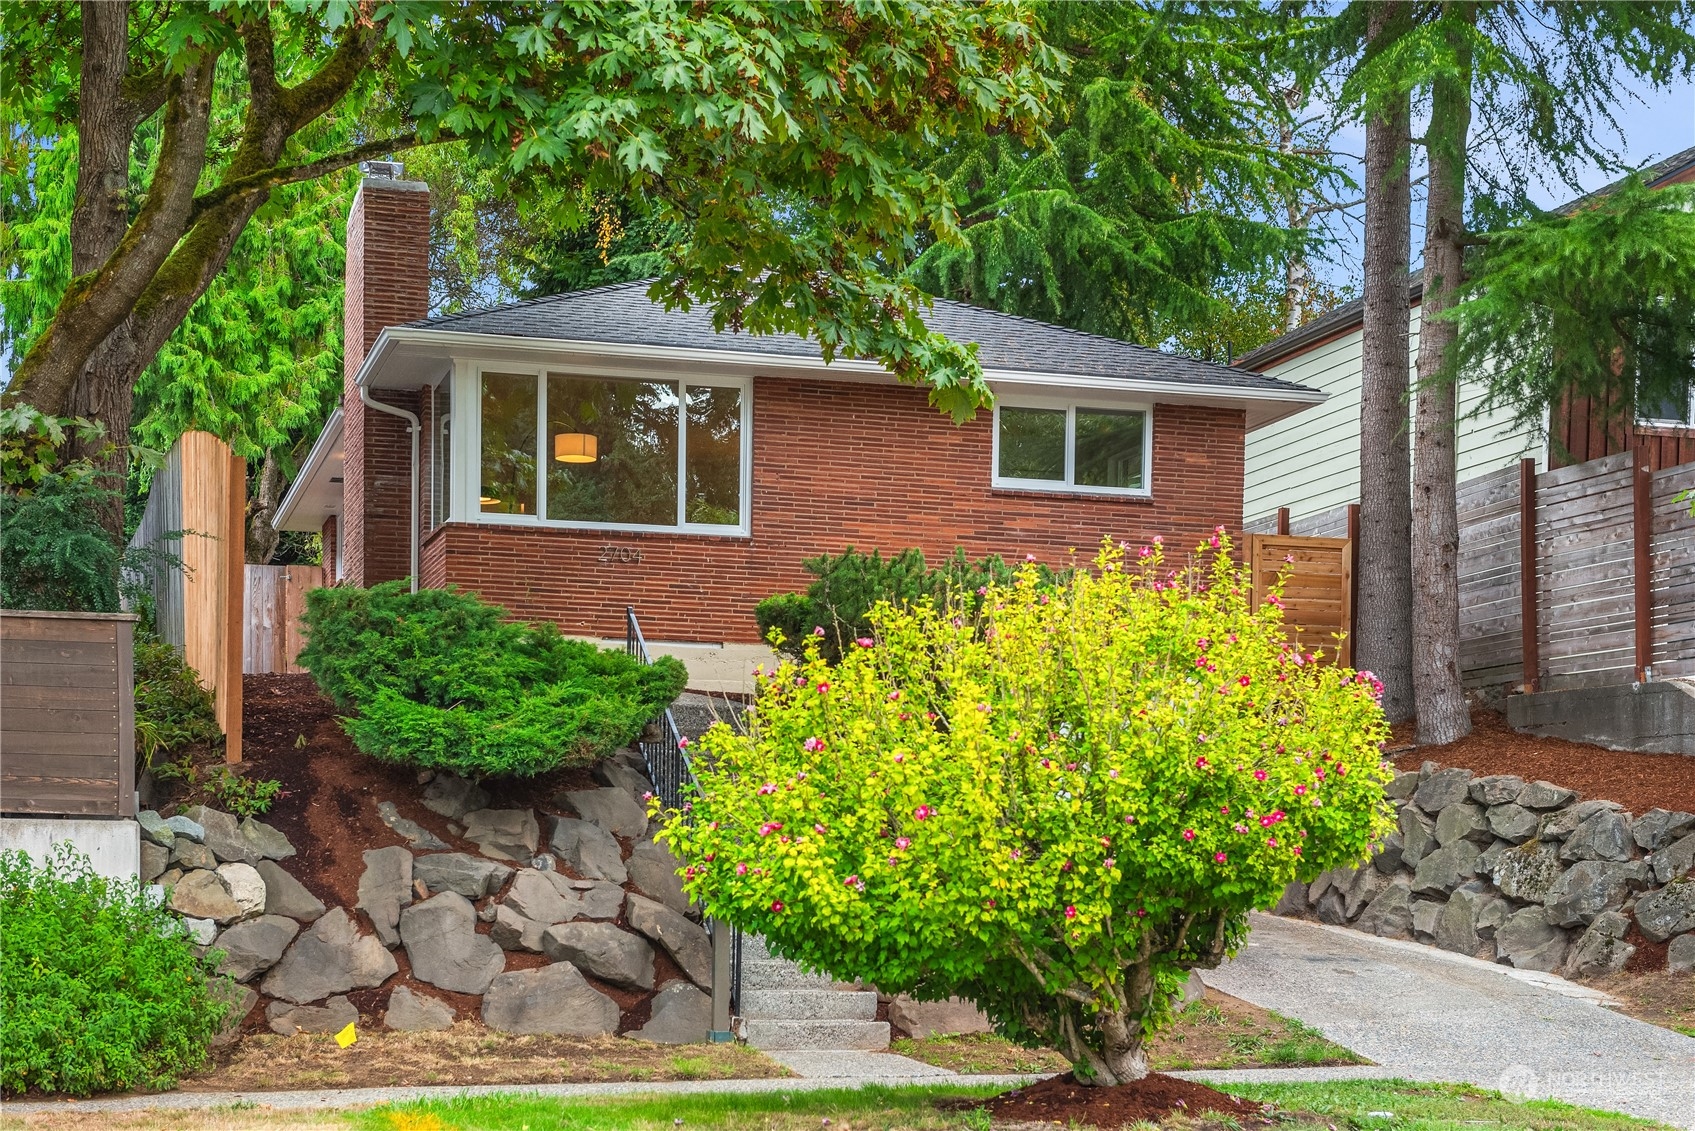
x=438 y=679
x=1595 y=302
x=100 y=987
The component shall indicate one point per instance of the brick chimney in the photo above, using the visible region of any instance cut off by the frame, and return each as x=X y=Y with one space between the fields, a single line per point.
x=388 y=283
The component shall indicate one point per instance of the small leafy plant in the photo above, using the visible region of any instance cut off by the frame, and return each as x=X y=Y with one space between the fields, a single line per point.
x=442 y=680
x=172 y=711
x=100 y=987
x=1054 y=802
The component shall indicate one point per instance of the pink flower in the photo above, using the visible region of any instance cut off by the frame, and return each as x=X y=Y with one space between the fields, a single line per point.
x=770 y=827
x=1240 y=828
x=864 y=642
x=823 y=689
x=1188 y=834
x=1259 y=775
x=1070 y=912
x=1299 y=790
x=900 y=757
x=1271 y=841
x=819 y=829
x=1245 y=680
x=1113 y=774
x=1266 y=822
x=818 y=630
x=1224 y=810
x=1296 y=850
x=903 y=842
x=776 y=906
x=741 y=869
x=1201 y=763
x=984 y=707
x=767 y=789
x=922 y=812
x=1218 y=858
x=682 y=744
x=647 y=796
x=814 y=744
x=1129 y=820
x=1110 y=862
x=855 y=882
x=1046 y=765
x=1029 y=557
x=893 y=697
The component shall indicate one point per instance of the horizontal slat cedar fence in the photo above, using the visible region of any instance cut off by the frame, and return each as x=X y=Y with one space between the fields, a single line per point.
x=1589 y=570
x=1317 y=593
x=67 y=714
x=276 y=596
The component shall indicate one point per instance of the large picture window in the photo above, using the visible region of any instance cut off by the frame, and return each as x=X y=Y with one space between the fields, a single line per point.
x=1070 y=447
x=614 y=452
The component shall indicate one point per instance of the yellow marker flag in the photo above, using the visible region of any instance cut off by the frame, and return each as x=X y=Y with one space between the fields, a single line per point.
x=347 y=1036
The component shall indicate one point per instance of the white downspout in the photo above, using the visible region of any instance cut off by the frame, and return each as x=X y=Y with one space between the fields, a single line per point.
x=412 y=426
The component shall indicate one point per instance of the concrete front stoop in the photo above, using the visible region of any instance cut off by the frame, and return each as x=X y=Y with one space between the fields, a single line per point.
x=783 y=1007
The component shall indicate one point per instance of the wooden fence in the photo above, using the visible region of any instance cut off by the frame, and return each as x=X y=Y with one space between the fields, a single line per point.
x=196 y=509
x=67 y=734
x=1318 y=586
x=276 y=596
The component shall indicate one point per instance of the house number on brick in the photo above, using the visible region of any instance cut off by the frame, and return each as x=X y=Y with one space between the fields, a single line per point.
x=620 y=554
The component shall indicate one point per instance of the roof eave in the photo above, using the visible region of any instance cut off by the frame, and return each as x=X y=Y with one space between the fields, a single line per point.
x=317 y=463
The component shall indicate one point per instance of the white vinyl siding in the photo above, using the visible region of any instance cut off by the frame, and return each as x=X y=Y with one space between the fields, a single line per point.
x=1310 y=462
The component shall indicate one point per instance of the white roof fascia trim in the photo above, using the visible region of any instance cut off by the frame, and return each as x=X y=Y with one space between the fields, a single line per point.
x=321 y=449
x=471 y=342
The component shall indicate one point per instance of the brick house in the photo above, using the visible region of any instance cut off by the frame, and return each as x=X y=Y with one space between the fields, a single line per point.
x=577 y=454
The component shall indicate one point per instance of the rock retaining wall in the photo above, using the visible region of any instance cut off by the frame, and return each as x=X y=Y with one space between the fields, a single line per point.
x=1521 y=873
x=560 y=928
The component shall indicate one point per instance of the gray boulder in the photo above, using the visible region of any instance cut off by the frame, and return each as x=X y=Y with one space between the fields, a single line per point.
x=1657 y=828
x=470 y=876
x=204 y=895
x=614 y=810
x=682 y=1015
x=1328 y=908
x=156 y=830
x=685 y=941
x=1491 y=913
x=654 y=872
x=602 y=950
x=1321 y=886
x=1403 y=786
x=1528 y=871
x=330 y=957
x=1387 y=858
x=444 y=947
x=1463 y=820
x=1446 y=868
x=1680 y=954
x=553 y=1000
x=255 y=946
x=538 y=895
x=588 y=850
x=1442 y=789
x=956 y=1015
x=154 y=860
x=1425 y=913
x=1456 y=923
x=189 y=855
x=247 y=887
x=410 y=1012
x=452 y=796
x=1667 y=912
x=1418 y=836
x=1545 y=795
x=1564 y=823
x=331 y=1017
x=1602 y=949
x=512 y=931
x=1513 y=822
x=200 y=931
x=1294 y=900
x=1588 y=888
x=1604 y=835
x=266 y=842
x=506 y=834
x=1362 y=887
x=1491 y=856
x=416 y=835
x=597 y=900
x=1529 y=942
x=384 y=888
x=1675 y=860
x=1390 y=914
x=1496 y=789
x=285 y=895
x=240 y=999
x=618 y=775
x=222 y=835
x=182 y=826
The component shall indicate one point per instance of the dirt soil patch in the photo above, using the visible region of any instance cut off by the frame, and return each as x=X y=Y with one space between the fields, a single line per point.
x=466 y=1054
x=1659 y=998
x=1639 y=782
x=1218 y=1031
x=1062 y=1100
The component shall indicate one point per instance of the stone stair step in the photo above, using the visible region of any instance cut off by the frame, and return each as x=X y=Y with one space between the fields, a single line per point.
x=809 y=1005
x=768 y=1034
x=780 y=974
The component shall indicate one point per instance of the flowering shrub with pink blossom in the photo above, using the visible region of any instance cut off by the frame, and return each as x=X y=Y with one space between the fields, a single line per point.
x=1055 y=806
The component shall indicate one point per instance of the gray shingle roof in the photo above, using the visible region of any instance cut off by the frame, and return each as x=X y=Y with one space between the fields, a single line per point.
x=623 y=313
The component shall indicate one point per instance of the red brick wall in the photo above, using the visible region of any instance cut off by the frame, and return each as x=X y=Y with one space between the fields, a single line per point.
x=388 y=282
x=839 y=464
x=326 y=558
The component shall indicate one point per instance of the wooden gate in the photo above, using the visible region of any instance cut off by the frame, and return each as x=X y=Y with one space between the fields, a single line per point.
x=276 y=596
x=1318 y=590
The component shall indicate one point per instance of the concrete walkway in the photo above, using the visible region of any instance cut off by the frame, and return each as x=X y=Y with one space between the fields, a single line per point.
x=1425 y=1014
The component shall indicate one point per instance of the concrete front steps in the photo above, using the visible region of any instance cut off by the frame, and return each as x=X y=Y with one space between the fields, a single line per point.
x=783 y=1007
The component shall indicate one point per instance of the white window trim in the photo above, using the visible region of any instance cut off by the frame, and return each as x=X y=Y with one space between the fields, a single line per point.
x=467 y=465
x=1661 y=422
x=1069 y=486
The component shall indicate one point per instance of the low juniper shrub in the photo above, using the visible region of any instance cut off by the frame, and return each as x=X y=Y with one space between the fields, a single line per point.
x=439 y=679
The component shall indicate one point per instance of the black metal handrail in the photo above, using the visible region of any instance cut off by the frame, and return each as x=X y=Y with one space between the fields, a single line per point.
x=671 y=771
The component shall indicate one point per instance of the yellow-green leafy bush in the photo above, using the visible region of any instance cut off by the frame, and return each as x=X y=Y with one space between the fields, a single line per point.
x=1055 y=807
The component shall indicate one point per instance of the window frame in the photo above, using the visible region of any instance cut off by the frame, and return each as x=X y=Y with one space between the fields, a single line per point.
x=1663 y=422
x=1069 y=485
x=467 y=469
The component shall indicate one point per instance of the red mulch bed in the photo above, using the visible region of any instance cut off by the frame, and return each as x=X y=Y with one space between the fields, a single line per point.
x=1639 y=782
x=1062 y=1100
x=328 y=811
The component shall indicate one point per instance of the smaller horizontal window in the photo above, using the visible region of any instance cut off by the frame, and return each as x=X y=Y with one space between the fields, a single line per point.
x=1073 y=448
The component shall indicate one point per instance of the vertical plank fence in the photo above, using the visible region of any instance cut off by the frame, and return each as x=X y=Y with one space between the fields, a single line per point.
x=276 y=596
x=1317 y=591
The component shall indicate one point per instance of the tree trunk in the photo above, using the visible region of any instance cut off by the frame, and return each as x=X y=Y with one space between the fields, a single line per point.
x=1439 y=695
x=1383 y=556
x=262 y=534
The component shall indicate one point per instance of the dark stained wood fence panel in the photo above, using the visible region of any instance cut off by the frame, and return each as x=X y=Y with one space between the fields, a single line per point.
x=1317 y=588
x=67 y=720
